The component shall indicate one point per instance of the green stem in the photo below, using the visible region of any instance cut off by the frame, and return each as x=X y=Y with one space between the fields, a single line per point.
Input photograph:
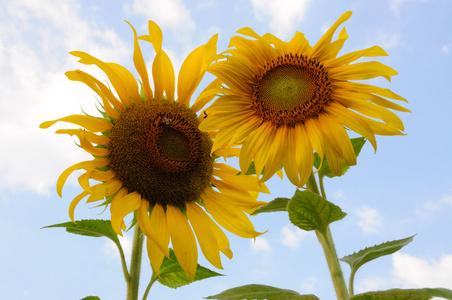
x=312 y=184
x=135 y=265
x=350 y=283
x=326 y=240
x=123 y=262
x=153 y=279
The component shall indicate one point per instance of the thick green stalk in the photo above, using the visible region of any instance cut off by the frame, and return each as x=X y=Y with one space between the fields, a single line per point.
x=312 y=184
x=326 y=240
x=135 y=265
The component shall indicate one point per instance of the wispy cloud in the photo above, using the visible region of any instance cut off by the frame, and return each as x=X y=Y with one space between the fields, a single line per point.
x=370 y=220
x=168 y=14
x=431 y=207
x=260 y=245
x=292 y=236
x=35 y=40
x=309 y=284
x=371 y=284
x=282 y=15
x=445 y=49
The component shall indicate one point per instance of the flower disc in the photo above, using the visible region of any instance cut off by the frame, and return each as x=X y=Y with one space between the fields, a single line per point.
x=291 y=90
x=157 y=150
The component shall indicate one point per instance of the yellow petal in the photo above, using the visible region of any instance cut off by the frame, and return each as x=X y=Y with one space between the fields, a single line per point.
x=276 y=153
x=263 y=146
x=92 y=137
x=314 y=132
x=86 y=165
x=324 y=42
x=121 y=206
x=361 y=71
x=228 y=216
x=140 y=65
x=359 y=103
x=299 y=44
x=155 y=36
x=143 y=219
x=74 y=204
x=338 y=139
x=90 y=81
x=204 y=98
x=249 y=147
x=122 y=80
x=183 y=241
x=352 y=56
x=159 y=223
x=90 y=123
x=335 y=162
x=352 y=120
x=202 y=225
x=155 y=255
x=101 y=175
x=193 y=69
x=367 y=88
x=335 y=46
x=163 y=74
x=304 y=154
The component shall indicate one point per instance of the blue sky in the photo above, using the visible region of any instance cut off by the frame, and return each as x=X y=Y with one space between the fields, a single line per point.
x=404 y=189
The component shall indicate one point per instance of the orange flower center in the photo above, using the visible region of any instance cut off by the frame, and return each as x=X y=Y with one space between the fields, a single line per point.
x=291 y=90
x=157 y=150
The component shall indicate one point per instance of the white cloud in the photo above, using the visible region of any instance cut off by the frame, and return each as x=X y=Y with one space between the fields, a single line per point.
x=397 y=4
x=309 y=284
x=35 y=40
x=169 y=13
x=369 y=219
x=385 y=40
x=445 y=49
x=292 y=237
x=447 y=199
x=415 y=272
x=338 y=195
x=284 y=15
x=260 y=245
x=427 y=209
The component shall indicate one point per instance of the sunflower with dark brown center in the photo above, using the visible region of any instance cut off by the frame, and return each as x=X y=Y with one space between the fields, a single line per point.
x=152 y=159
x=284 y=100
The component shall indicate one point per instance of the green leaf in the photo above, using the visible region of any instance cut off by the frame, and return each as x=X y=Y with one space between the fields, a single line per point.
x=251 y=170
x=92 y=228
x=172 y=275
x=356 y=260
x=310 y=211
x=260 y=292
x=357 y=144
x=399 y=294
x=91 y=298
x=278 y=204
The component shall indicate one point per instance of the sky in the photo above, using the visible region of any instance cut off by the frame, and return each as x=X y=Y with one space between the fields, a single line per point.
x=402 y=190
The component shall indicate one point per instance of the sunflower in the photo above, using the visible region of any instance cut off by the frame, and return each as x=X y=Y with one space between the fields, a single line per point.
x=151 y=159
x=283 y=100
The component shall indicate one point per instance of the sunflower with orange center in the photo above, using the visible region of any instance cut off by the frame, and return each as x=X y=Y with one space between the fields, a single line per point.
x=152 y=160
x=284 y=100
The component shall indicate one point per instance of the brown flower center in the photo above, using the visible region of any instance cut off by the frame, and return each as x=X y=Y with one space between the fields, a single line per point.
x=291 y=90
x=157 y=150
